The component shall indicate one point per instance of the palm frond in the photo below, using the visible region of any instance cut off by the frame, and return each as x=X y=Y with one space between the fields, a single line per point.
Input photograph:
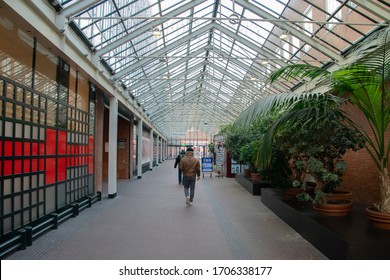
x=367 y=83
x=298 y=110
x=280 y=102
x=300 y=72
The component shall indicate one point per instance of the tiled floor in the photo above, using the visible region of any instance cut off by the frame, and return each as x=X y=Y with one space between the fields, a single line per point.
x=149 y=219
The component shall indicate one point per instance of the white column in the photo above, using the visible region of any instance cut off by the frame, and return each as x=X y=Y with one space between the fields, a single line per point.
x=157 y=150
x=139 y=149
x=112 y=147
x=162 y=150
x=166 y=149
x=151 y=149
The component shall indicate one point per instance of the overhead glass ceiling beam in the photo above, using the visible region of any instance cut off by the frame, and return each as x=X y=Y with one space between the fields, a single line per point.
x=217 y=19
x=375 y=8
x=165 y=69
x=303 y=37
x=162 y=51
x=256 y=48
x=77 y=7
x=149 y=26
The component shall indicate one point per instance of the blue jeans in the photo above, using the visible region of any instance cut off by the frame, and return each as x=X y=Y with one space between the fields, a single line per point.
x=181 y=181
x=189 y=186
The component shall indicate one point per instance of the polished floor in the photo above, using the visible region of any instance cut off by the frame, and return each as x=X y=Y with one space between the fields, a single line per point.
x=148 y=219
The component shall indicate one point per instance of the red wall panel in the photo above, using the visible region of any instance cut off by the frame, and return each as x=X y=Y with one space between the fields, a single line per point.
x=61 y=142
x=61 y=169
x=51 y=137
x=51 y=169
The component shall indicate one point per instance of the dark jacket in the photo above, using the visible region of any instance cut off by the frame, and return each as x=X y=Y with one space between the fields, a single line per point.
x=178 y=158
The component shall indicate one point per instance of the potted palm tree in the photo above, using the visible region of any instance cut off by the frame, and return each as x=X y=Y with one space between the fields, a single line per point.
x=365 y=84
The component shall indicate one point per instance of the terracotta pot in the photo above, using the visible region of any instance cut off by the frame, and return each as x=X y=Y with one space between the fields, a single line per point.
x=247 y=172
x=292 y=193
x=339 y=195
x=378 y=219
x=255 y=177
x=334 y=207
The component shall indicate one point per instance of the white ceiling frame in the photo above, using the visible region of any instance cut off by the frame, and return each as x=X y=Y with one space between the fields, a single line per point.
x=147 y=27
x=303 y=37
x=165 y=69
x=77 y=7
x=374 y=8
x=162 y=51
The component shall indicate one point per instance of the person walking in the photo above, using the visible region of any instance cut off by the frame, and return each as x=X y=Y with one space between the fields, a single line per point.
x=190 y=166
x=177 y=161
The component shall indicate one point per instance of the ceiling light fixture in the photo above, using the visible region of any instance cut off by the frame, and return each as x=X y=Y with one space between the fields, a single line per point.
x=263 y=61
x=156 y=32
x=284 y=35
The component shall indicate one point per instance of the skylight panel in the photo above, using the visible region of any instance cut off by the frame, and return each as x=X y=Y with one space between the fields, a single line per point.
x=275 y=7
x=169 y=5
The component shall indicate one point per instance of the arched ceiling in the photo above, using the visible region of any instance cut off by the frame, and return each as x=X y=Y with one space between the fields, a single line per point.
x=197 y=64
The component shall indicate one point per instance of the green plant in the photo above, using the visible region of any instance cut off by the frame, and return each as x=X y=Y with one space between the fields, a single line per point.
x=319 y=197
x=314 y=149
x=234 y=139
x=363 y=82
x=237 y=137
x=304 y=196
x=247 y=154
x=210 y=147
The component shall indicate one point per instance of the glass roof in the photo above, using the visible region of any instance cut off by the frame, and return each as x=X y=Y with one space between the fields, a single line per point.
x=197 y=64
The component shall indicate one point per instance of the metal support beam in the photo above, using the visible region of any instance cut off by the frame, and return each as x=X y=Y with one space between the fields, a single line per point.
x=375 y=8
x=303 y=37
x=149 y=26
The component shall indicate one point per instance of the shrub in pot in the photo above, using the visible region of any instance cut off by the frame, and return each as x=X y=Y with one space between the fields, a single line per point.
x=247 y=155
x=238 y=140
x=317 y=151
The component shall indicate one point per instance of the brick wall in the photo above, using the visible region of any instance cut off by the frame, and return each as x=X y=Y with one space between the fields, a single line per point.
x=124 y=155
x=362 y=175
x=123 y=160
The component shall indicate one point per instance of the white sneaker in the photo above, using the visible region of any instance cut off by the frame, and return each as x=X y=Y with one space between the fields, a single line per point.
x=188 y=200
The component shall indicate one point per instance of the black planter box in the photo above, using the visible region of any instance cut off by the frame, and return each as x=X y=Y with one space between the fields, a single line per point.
x=252 y=187
x=339 y=238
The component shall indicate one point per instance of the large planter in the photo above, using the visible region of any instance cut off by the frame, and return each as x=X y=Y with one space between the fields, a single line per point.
x=247 y=172
x=339 y=194
x=334 y=207
x=256 y=177
x=292 y=193
x=378 y=219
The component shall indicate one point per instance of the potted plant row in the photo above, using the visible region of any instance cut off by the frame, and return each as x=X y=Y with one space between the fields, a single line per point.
x=362 y=82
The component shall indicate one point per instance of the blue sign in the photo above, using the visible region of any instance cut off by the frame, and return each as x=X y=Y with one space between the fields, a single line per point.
x=207 y=164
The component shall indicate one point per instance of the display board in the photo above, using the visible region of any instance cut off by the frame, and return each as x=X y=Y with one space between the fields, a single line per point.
x=219 y=154
x=207 y=164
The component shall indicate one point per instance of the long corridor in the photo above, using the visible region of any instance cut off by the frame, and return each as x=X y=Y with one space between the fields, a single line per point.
x=149 y=219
